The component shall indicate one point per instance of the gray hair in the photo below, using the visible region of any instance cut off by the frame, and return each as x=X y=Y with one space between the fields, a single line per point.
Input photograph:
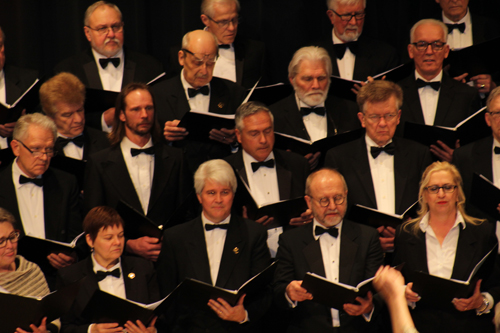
x=207 y=6
x=6 y=216
x=35 y=119
x=313 y=175
x=248 y=109
x=216 y=170
x=493 y=94
x=311 y=53
x=186 y=39
x=429 y=21
x=379 y=91
x=333 y=4
x=90 y=10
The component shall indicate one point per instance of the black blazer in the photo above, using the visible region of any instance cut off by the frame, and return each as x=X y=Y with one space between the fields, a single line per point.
x=351 y=160
x=299 y=253
x=94 y=141
x=107 y=181
x=373 y=57
x=142 y=287
x=184 y=254
x=341 y=115
x=473 y=243
x=17 y=80
x=457 y=101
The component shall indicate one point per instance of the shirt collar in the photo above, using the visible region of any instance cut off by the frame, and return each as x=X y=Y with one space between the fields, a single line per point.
x=98 y=267
x=337 y=40
x=437 y=78
x=59 y=135
x=98 y=56
x=126 y=144
x=301 y=104
x=186 y=84
x=424 y=223
x=370 y=143
x=17 y=172
x=205 y=220
x=247 y=158
x=317 y=224
x=465 y=19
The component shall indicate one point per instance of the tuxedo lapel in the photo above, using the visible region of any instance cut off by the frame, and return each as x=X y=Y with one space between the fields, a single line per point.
x=332 y=116
x=51 y=198
x=348 y=249
x=363 y=172
x=412 y=100
x=8 y=197
x=197 y=254
x=12 y=91
x=128 y=71
x=294 y=118
x=284 y=177
x=464 y=257
x=178 y=100
x=234 y=245
x=219 y=97
x=417 y=250
x=329 y=48
x=312 y=252
x=162 y=172
x=132 y=290
x=91 y=71
x=446 y=95
x=239 y=50
x=483 y=158
x=90 y=284
x=400 y=174
x=362 y=62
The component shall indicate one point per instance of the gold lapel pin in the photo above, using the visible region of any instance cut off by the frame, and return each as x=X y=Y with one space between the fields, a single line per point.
x=131 y=275
x=236 y=250
x=220 y=105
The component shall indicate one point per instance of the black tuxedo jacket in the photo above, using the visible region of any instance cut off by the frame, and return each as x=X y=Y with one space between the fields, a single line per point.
x=171 y=103
x=373 y=57
x=483 y=29
x=94 y=141
x=341 y=116
x=473 y=243
x=184 y=254
x=457 y=101
x=142 y=287
x=351 y=160
x=17 y=80
x=107 y=181
x=299 y=253
x=63 y=221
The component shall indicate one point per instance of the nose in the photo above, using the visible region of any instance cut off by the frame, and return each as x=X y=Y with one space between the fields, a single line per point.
x=382 y=122
x=144 y=113
x=9 y=244
x=218 y=197
x=203 y=69
x=262 y=138
x=353 y=20
x=429 y=49
x=315 y=84
x=441 y=193
x=78 y=117
x=110 y=33
x=231 y=25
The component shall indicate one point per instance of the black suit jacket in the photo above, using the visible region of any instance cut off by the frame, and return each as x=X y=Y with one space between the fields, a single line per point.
x=457 y=101
x=142 y=288
x=373 y=57
x=94 y=141
x=17 y=81
x=107 y=181
x=341 y=115
x=483 y=28
x=351 y=160
x=473 y=244
x=63 y=221
x=299 y=253
x=184 y=254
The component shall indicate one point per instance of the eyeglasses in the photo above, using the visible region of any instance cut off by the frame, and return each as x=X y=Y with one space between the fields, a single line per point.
x=325 y=202
x=436 y=45
x=494 y=114
x=36 y=154
x=104 y=30
x=225 y=23
x=348 y=17
x=375 y=118
x=199 y=58
x=13 y=238
x=447 y=188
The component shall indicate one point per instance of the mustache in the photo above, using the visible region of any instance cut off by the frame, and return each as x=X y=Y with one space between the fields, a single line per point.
x=107 y=40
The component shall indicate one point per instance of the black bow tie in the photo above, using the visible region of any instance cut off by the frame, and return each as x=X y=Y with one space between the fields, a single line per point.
x=101 y=275
x=224 y=46
x=320 y=111
x=62 y=142
x=459 y=26
x=104 y=62
x=209 y=227
x=203 y=90
x=267 y=164
x=434 y=84
x=389 y=149
x=340 y=48
x=497 y=150
x=149 y=151
x=334 y=232
x=25 y=180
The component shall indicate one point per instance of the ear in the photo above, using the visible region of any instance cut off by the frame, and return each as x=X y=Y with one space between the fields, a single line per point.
x=330 y=15
x=486 y=118
x=238 y=134
x=361 y=119
x=410 y=51
x=446 y=51
x=89 y=240
x=205 y=20
x=122 y=116
x=86 y=30
x=308 y=201
x=291 y=80
x=399 y=116
x=199 y=198
x=16 y=147
x=181 y=58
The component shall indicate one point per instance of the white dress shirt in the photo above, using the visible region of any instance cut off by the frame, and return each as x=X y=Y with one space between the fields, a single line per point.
x=3 y=99
x=30 y=203
x=495 y=167
x=141 y=170
x=111 y=76
x=429 y=98
x=225 y=67
x=71 y=150
x=382 y=171
x=346 y=64
x=200 y=102
x=215 y=240
x=110 y=284
x=316 y=125
x=457 y=39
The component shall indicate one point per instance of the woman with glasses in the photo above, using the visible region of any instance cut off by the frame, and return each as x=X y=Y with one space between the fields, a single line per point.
x=446 y=242
x=17 y=275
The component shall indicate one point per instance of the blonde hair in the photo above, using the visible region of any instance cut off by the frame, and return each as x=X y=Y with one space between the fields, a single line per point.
x=64 y=87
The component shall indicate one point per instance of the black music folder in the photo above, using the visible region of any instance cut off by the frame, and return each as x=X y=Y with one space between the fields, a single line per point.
x=98 y=100
x=197 y=293
x=469 y=130
x=375 y=218
x=29 y=100
x=199 y=124
x=137 y=224
x=270 y=94
x=19 y=311
x=485 y=195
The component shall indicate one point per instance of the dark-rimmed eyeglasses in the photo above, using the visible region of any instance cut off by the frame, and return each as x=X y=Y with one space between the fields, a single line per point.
x=200 y=58
x=50 y=152
x=494 y=114
x=13 y=238
x=348 y=17
x=422 y=46
x=225 y=23
x=104 y=30
x=447 y=188
x=325 y=202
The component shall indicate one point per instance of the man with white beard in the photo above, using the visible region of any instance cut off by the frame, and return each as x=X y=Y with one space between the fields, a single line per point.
x=310 y=113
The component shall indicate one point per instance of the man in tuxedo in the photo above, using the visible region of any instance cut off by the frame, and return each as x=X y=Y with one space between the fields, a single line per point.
x=354 y=56
x=43 y=199
x=431 y=96
x=384 y=170
x=138 y=168
x=333 y=247
x=62 y=98
x=310 y=113
x=196 y=89
x=14 y=81
x=271 y=174
x=107 y=64
x=217 y=248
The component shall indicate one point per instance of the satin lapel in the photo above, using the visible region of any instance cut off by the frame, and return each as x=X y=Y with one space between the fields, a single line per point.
x=464 y=258
x=446 y=95
x=412 y=101
x=240 y=166
x=418 y=252
x=331 y=52
x=234 y=246
x=312 y=252
x=92 y=73
x=400 y=174
x=363 y=171
x=12 y=91
x=128 y=71
x=483 y=158
x=239 y=61
x=132 y=291
x=197 y=254
x=91 y=284
x=178 y=100
x=219 y=97
x=332 y=116
x=51 y=197
x=8 y=196
x=348 y=250
x=362 y=62
x=294 y=119
x=284 y=177
x=161 y=175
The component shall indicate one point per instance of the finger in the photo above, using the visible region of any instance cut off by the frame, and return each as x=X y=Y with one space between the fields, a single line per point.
x=153 y=321
x=268 y=221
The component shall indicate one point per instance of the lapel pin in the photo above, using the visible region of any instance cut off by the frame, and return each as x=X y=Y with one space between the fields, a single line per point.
x=220 y=105
x=131 y=275
x=236 y=250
